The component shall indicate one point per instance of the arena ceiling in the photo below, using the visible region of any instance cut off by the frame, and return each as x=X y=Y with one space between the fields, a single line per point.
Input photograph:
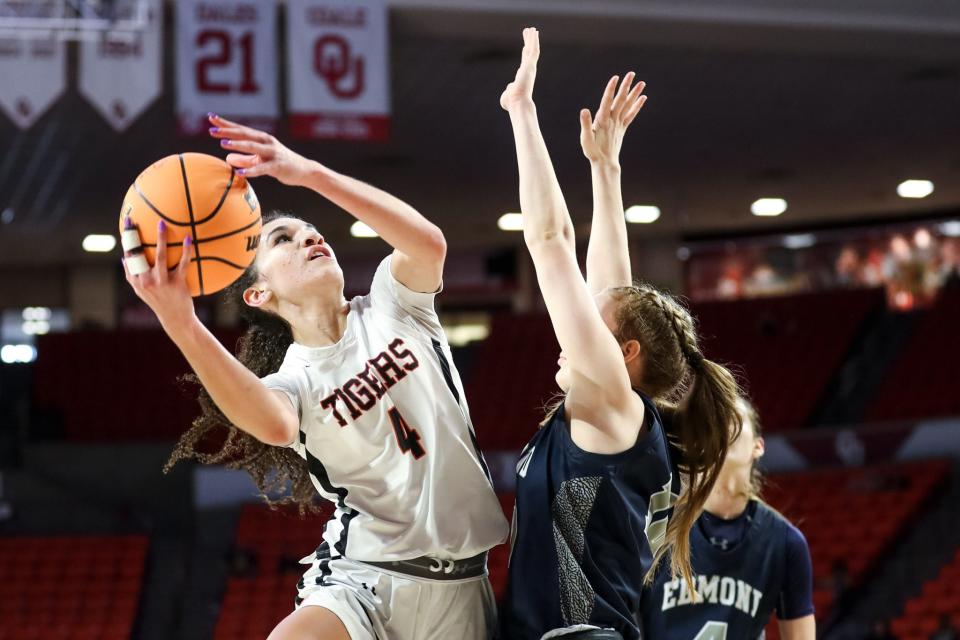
x=829 y=115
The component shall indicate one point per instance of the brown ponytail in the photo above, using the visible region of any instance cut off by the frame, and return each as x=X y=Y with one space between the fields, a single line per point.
x=697 y=396
x=212 y=439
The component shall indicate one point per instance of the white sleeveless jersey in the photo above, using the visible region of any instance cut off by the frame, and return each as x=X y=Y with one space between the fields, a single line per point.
x=387 y=436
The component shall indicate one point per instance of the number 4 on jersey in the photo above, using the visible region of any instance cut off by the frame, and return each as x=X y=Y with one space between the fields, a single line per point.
x=407 y=437
x=713 y=631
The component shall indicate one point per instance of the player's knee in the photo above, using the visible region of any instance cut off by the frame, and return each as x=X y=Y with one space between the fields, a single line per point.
x=310 y=623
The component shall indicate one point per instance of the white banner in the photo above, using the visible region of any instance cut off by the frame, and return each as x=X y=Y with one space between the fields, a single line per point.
x=33 y=76
x=226 y=62
x=122 y=78
x=339 y=69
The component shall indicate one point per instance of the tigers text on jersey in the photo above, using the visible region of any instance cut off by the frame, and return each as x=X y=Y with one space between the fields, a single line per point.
x=585 y=529
x=387 y=436
x=737 y=588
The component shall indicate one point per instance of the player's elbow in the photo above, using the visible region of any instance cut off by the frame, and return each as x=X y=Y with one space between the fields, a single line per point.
x=278 y=434
x=549 y=239
x=435 y=245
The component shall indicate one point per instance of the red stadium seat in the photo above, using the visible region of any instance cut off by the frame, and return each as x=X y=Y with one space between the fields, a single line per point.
x=922 y=383
x=70 y=580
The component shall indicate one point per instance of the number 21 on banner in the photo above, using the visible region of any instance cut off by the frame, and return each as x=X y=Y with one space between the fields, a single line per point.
x=226 y=62
x=223 y=45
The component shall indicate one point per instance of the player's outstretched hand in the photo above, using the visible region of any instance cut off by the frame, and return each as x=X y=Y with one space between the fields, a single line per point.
x=601 y=137
x=165 y=291
x=520 y=91
x=257 y=153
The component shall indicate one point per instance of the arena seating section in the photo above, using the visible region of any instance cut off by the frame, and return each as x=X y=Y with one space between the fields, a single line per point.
x=70 y=588
x=830 y=507
x=119 y=397
x=512 y=380
x=939 y=596
x=923 y=382
x=788 y=348
x=512 y=377
x=276 y=539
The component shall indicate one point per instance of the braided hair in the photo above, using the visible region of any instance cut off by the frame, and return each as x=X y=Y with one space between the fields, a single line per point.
x=213 y=439
x=697 y=397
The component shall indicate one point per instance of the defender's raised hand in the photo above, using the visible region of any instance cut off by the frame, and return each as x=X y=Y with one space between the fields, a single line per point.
x=257 y=153
x=520 y=91
x=601 y=137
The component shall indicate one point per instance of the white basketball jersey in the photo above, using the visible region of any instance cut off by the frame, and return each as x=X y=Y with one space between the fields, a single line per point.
x=387 y=436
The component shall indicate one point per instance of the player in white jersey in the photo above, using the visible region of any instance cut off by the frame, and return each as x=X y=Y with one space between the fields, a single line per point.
x=366 y=404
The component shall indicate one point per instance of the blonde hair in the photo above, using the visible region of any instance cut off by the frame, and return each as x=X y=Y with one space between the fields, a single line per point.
x=699 y=396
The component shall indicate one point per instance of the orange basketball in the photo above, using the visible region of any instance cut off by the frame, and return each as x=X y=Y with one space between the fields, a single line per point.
x=201 y=196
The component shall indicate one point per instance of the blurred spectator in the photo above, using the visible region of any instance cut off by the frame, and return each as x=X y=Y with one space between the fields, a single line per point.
x=847 y=267
x=764 y=281
x=730 y=284
x=946 y=631
x=881 y=631
x=872 y=272
x=911 y=263
x=950 y=263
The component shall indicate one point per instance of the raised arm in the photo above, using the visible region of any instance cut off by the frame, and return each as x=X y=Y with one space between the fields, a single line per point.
x=608 y=254
x=419 y=245
x=600 y=394
x=265 y=414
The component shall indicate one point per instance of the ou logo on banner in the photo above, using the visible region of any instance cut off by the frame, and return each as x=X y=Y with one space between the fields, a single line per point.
x=332 y=62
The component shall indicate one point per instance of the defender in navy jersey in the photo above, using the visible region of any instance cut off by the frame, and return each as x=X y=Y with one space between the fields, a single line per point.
x=597 y=501
x=748 y=559
x=579 y=514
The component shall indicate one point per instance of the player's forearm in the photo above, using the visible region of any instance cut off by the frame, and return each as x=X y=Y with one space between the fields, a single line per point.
x=545 y=216
x=400 y=225
x=804 y=628
x=608 y=253
x=241 y=396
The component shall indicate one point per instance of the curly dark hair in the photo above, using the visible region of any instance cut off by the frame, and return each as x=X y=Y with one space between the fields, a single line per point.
x=213 y=439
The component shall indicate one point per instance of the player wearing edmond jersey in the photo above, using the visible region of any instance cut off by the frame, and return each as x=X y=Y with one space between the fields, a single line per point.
x=749 y=561
x=358 y=399
x=596 y=484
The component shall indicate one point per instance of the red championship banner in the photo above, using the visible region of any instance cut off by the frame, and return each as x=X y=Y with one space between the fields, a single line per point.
x=337 y=58
x=226 y=62
x=34 y=75
x=121 y=78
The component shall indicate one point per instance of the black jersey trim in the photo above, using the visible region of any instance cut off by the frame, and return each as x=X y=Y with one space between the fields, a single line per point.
x=448 y=377
x=445 y=367
x=318 y=471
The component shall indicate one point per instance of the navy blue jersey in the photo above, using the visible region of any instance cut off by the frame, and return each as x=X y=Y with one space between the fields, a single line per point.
x=739 y=582
x=585 y=529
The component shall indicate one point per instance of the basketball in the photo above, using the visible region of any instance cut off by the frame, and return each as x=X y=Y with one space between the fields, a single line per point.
x=203 y=197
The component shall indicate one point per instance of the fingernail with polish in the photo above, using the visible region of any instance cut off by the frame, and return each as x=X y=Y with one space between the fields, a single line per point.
x=225 y=143
x=241 y=172
x=214 y=129
x=211 y=114
x=187 y=241
x=162 y=226
x=128 y=223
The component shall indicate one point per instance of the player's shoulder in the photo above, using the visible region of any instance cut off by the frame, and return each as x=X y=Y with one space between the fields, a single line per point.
x=792 y=535
x=778 y=520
